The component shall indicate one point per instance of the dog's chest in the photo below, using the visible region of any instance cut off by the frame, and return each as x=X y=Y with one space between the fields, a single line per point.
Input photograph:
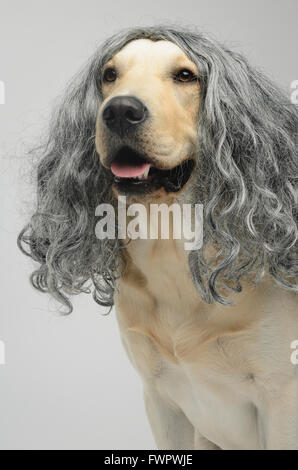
x=165 y=331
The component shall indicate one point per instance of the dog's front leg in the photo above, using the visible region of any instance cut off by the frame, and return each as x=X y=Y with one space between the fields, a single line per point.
x=170 y=427
x=201 y=443
x=281 y=419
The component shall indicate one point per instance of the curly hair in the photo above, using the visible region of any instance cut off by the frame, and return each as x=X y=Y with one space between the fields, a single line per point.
x=246 y=179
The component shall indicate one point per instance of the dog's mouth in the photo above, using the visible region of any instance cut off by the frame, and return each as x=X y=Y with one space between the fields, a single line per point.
x=134 y=174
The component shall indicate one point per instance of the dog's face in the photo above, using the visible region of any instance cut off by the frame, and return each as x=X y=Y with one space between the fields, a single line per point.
x=147 y=123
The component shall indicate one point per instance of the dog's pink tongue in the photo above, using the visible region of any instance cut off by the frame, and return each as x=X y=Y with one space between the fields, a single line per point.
x=128 y=171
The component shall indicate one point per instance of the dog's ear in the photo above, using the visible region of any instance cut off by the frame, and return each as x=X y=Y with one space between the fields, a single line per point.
x=71 y=183
x=248 y=172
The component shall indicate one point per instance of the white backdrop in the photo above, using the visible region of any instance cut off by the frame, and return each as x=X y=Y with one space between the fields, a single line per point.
x=67 y=383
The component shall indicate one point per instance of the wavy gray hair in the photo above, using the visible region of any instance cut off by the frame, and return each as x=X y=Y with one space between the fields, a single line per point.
x=246 y=179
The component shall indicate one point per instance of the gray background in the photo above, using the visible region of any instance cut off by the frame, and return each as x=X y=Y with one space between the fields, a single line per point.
x=67 y=383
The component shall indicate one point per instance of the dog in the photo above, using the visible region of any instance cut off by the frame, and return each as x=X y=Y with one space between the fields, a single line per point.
x=167 y=115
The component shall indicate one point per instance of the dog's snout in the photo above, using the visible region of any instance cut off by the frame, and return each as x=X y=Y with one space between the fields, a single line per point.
x=123 y=113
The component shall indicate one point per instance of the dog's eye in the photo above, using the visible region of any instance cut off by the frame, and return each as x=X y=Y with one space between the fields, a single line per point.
x=109 y=75
x=185 y=76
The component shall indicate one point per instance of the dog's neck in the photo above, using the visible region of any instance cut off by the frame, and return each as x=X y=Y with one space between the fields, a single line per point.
x=156 y=295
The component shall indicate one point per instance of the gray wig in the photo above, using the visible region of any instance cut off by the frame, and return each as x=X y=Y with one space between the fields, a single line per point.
x=246 y=179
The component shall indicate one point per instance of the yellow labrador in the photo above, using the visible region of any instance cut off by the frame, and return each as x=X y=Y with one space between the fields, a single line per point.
x=214 y=376
x=181 y=119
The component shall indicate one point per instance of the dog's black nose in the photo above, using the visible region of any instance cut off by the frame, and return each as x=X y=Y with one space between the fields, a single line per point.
x=123 y=113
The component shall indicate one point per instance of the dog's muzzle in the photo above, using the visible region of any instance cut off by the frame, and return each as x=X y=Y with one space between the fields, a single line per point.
x=134 y=171
x=123 y=114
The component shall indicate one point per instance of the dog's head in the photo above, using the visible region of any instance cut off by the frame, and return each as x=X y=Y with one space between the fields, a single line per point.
x=154 y=110
x=147 y=126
